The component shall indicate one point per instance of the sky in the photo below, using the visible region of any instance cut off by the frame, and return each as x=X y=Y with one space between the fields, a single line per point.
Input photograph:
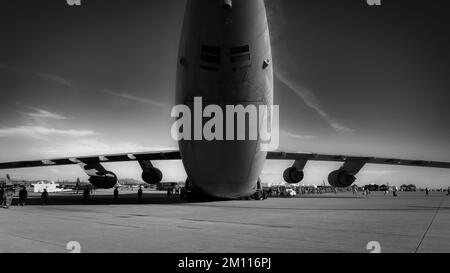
x=349 y=79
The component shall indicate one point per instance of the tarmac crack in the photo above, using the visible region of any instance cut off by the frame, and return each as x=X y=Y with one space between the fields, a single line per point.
x=237 y=223
x=429 y=226
x=33 y=240
x=118 y=225
x=410 y=208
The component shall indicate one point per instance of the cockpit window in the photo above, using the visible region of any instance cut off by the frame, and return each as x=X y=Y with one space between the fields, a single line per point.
x=240 y=54
x=210 y=54
x=240 y=49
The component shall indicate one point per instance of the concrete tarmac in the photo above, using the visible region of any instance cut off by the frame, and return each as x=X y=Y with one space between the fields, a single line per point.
x=408 y=223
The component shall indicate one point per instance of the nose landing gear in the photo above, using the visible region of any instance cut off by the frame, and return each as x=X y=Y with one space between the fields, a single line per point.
x=186 y=191
x=260 y=193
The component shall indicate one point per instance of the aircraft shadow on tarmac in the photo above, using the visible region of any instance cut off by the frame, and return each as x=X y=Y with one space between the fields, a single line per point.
x=124 y=199
x=163 y=199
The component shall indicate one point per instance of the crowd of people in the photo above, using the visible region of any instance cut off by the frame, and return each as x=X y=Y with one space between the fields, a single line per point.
x=7 y=195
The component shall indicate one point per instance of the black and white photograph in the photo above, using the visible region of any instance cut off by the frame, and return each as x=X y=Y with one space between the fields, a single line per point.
x=236 y=127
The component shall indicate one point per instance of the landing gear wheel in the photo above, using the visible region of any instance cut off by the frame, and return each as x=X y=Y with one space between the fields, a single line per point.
x=257 y=196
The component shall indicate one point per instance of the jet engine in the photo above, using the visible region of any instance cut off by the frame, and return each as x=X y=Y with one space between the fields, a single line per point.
x=152 y=176
x=104 y=181
x=293 y=175
x=341 y=179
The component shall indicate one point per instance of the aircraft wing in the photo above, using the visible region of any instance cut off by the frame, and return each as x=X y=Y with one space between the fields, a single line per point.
x=175 y=155
x=91 y=160
x=349 y=159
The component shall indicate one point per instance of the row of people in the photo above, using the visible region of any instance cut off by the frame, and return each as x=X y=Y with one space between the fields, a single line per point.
x=7 y=195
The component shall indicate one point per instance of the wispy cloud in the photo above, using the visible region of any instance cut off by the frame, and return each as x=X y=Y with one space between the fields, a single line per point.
x=55 y=171
x=297 y=136
x=9 y=68
x=286 y=70
x=311 y=101
x=43 y=76
x=39 y=132
x=55 y=79
x=134 y=98
x=91 y=146
x=44 y=114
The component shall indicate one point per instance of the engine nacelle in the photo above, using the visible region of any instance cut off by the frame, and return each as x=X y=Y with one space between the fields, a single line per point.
x=341 y=179
x=106 y=181
x=152 y=176
x=293 y=175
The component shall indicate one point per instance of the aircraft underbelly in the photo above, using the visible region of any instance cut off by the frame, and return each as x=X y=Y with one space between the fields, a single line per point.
x=224 y=169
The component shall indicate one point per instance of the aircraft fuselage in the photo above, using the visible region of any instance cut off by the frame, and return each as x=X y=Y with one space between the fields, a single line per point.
x=225 y=58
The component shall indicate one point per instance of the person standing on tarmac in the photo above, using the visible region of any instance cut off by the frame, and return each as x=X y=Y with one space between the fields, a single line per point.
x=2 y=198
x=23 y=195
x=44 y=197
x=265 y=194
x=86 y=193
x=140 y=193
x=116 y=193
